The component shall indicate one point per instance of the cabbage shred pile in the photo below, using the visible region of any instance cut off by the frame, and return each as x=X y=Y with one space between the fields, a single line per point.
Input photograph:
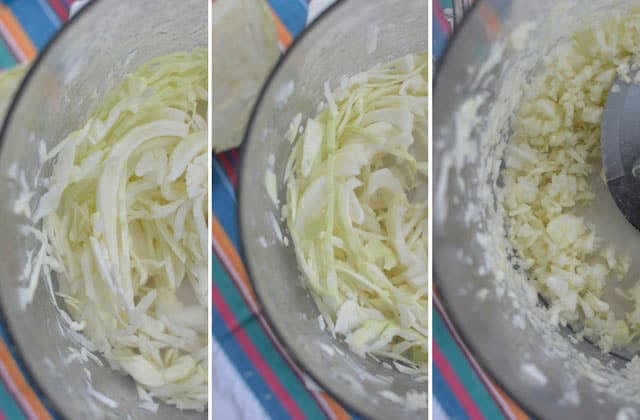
x=549 y=179
x=356 y=209
x=124 y=224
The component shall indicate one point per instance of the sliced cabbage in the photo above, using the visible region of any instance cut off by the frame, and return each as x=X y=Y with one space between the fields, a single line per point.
x=124 y=225
x=357 y=210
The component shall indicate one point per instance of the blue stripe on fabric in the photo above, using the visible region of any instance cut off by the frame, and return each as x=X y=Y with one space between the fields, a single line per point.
x=440 y=38
x=34 y=21
x=446 y=399
x=463 y=370
x=8 y=406
x=4 y=336
x=246 y=369
x=224 y=205
x=220 y=177
x=51 y=14
x=292 y=13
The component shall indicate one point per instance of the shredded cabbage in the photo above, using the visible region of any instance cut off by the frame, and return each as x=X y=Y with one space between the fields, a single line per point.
x=124 y=224
x=356 y=208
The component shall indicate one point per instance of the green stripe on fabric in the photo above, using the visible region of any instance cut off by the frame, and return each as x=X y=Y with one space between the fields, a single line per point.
x=257 y=336
x=8 y=407
x=464 y=371
x=6 y=59
x=233 y=298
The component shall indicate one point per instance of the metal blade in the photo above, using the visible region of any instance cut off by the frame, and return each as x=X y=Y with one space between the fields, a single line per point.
x=620 y=145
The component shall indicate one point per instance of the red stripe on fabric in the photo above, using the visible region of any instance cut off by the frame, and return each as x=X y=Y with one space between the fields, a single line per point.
x=247 y=297
x=508 y=408
x=235 y=155
x=2 y=417
x=228 y=168
x=252 y=353
x=454 y=383
x=60 y=10
x=439 y=14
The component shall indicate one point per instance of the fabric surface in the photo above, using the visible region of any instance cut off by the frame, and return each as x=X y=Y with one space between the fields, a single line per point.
x=461 y=388
x=253 y=377
x=25 y=28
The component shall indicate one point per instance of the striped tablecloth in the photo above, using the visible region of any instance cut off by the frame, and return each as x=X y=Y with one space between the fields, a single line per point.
x=25 y=28
x=461 y=387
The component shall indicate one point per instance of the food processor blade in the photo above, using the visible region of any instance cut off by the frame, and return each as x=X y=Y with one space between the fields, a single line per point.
x=620 y=146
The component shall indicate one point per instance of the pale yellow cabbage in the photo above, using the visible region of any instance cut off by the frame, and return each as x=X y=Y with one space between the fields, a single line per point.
x=124 y=226
x=357 y=210
x=244 y=48
x=551 y=164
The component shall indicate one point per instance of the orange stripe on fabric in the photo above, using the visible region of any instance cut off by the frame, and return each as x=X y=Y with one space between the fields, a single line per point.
x=517 y=412
x=220 y=236
x=338 y=412
x=283 y=33
x=27 y=49
x=492 y=23
x=21 y=384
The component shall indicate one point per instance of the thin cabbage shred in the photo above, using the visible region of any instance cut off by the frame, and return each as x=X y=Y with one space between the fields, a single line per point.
x=124 y=225
x=356 y=208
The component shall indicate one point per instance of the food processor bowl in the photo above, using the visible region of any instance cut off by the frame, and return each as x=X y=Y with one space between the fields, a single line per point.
x=547 y=369
x=89 y=57
x=348 y=38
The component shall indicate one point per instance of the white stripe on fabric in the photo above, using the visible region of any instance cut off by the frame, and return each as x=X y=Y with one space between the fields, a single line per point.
x=51 y=15
x=316 y=7
x=11 y=43
x=438 y=412
x=231 y=398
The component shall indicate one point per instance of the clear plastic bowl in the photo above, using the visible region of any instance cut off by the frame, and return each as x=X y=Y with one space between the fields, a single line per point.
x=335 y=45
x=90 y=55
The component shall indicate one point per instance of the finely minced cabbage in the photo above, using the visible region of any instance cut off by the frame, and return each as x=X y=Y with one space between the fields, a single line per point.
x=553 y=157
x=356 y=209
x=124 y=226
